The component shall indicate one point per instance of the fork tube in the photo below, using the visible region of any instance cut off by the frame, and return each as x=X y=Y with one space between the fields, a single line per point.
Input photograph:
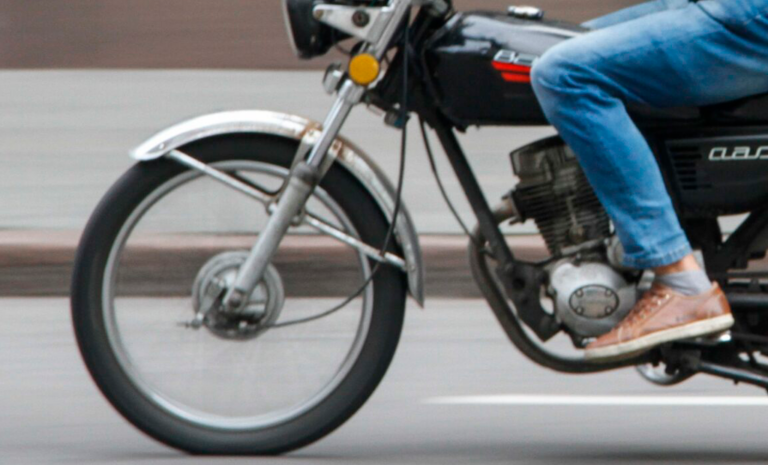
x=306 y=174
x=349 y=95
x=298 y=187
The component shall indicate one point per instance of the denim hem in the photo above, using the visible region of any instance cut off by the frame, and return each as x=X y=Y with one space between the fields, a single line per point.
x=646 y=261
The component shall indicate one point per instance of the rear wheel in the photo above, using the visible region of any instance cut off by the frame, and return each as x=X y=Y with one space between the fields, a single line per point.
x=165 y=239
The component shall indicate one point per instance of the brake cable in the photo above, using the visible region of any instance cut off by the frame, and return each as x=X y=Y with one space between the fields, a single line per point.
x=395 y=212
x=440 y=186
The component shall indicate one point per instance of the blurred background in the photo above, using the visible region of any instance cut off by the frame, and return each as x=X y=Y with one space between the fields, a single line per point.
x=84 y=81
x=189 y=34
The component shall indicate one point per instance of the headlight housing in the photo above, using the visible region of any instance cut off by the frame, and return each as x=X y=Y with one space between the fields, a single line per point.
x=309 y=37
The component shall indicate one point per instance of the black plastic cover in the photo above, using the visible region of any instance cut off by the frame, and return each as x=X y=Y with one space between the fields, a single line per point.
x=716 y=170
x=310 y=37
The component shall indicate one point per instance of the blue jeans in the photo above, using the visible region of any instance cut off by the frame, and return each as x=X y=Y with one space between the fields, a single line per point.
x=665 y=53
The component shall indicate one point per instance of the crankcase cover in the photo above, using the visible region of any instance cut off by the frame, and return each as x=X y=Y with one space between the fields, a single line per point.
x=594 y=301
x=590 y=298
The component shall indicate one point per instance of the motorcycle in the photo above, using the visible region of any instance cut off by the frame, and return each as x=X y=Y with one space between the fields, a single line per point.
x=192 y=308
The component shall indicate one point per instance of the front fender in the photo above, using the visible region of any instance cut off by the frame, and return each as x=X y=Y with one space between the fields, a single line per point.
x=294 y=127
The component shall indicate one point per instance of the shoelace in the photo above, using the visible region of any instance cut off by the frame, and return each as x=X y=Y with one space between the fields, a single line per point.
x=650 y=301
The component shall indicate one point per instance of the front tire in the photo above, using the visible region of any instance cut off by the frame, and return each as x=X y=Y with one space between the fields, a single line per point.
x=166 y=390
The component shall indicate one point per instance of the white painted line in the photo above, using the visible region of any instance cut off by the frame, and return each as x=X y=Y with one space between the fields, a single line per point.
x=629 y=401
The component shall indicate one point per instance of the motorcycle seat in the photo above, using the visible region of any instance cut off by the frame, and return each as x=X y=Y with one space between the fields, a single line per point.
x=753 y=109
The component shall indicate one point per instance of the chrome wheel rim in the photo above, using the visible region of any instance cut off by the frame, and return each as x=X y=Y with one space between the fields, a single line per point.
x=191 y=413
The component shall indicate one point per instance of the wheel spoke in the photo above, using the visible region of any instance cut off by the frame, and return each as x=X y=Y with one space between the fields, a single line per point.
x=161 y=248
x=306 y=366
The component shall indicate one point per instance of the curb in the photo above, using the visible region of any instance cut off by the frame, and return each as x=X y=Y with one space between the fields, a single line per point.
x=39 y=263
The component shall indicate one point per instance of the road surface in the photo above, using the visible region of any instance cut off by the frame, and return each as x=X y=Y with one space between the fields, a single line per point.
x=52 y=413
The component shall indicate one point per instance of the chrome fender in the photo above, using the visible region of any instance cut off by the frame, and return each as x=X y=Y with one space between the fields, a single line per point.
x=352 y=158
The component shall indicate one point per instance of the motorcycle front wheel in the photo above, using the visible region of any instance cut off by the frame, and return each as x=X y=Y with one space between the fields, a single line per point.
x=162 y=240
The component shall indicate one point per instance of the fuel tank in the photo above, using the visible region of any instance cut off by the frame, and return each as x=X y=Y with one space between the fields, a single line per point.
x=479 y=65
x=478 y=68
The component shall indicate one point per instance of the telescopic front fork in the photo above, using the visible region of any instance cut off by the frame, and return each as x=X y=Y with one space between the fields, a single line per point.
x=306 y=174
x=304 y=177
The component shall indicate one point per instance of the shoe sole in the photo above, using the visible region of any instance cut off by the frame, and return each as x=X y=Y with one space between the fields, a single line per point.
x=639 y=345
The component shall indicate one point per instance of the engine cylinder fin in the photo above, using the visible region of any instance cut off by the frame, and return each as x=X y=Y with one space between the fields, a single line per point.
x=555 y=193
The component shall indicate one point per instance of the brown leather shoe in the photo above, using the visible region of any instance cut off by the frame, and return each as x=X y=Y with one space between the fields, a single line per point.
x=662 y=315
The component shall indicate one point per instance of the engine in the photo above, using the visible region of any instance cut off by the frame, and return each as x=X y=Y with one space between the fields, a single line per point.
x=554 y=192
x=590 y=294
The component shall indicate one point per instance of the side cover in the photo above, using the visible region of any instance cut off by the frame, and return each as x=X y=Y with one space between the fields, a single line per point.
x=295 y=127
x=716 y=170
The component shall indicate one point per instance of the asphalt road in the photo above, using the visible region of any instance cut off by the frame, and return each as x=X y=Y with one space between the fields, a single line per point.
x=52 y=413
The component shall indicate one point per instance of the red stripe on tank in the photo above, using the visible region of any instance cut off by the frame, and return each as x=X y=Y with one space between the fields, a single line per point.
x=511 y=67
x=516 y=77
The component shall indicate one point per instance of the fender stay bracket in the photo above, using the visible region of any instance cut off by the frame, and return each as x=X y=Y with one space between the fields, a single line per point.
x=294 y=127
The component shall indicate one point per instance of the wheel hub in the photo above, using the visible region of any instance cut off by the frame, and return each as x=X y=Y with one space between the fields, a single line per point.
x=259 y=312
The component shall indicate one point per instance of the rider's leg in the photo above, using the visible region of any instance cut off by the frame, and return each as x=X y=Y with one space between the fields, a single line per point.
x=634 y=12
x=696 y=55
x=684 y=275
x=672 y=58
